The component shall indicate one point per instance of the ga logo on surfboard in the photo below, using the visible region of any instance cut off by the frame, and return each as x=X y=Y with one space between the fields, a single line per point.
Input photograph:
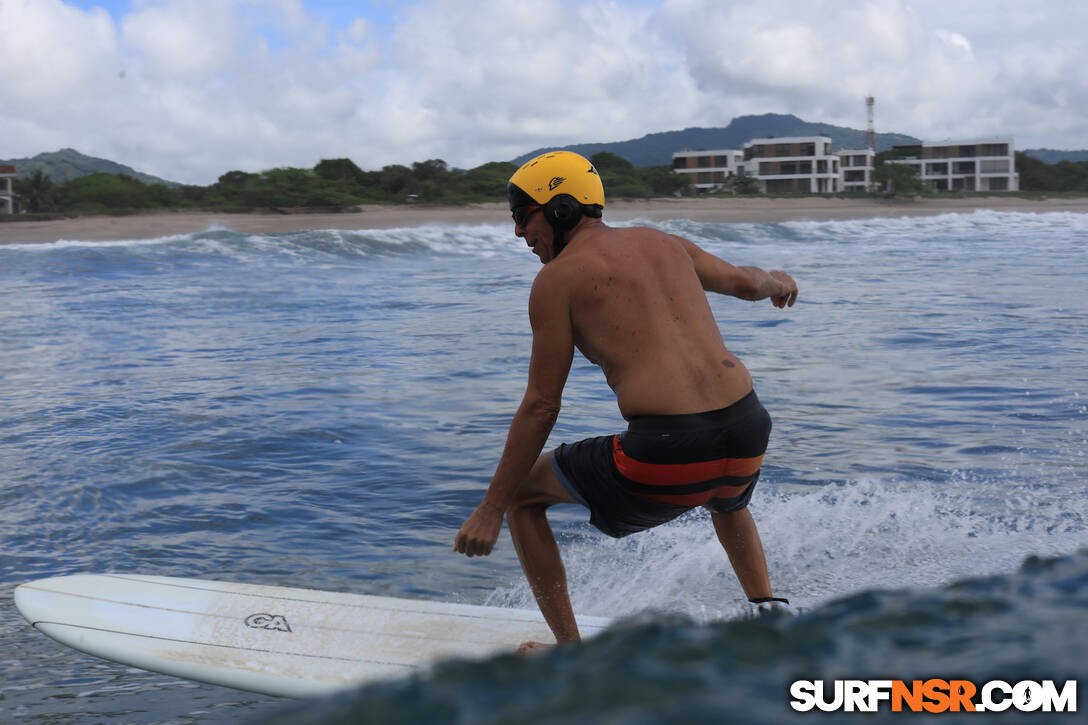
x=261 y=620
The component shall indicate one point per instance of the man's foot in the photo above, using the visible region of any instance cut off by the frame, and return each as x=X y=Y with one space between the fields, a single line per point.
x=533 y=648
x=770 y=605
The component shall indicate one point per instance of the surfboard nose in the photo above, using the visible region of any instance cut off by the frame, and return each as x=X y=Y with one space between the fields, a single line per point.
x=22 y=602
x=275 y=640
x=33 y=599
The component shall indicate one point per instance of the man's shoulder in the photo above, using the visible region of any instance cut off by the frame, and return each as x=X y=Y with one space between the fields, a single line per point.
x=549 y=297
x=550 y=278
x=649 y=236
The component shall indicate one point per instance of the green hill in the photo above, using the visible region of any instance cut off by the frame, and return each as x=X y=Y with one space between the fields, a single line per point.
x=68 y=164
x=656 y=149
x=1052 y=156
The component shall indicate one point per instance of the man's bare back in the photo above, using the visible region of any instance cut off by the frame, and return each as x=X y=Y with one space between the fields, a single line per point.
x=639 y=311
x=633 y=301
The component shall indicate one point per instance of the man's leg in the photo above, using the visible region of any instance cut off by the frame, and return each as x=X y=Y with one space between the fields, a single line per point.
x=738 y=535
x=537 y=549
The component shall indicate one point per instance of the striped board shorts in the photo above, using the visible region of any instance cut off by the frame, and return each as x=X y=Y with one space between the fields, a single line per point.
x=665 y=465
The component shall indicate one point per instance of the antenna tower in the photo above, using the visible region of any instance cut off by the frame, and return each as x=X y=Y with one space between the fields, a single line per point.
x=870 y=133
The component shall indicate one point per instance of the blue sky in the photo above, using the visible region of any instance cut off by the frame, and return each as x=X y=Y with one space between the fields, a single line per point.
x=338 y=13
x=189 y=89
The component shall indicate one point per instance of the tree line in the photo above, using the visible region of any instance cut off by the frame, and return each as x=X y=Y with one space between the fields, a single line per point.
x=333 y=184
x=1036 y=175
x=339 y=184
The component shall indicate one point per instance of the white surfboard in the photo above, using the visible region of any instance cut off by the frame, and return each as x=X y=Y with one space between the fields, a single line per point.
x=273 y=640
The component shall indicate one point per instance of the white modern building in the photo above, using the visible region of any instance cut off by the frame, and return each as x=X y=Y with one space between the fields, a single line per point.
x=968 y=165
x=7 y=193
x=806 y=165
x=800 y=165
x=857 y=169
x=709 y=169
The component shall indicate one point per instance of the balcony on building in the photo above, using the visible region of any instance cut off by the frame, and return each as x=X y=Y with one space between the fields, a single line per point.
x=7 y=191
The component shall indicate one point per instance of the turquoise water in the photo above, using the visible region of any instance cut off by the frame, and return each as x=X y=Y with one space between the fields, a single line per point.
x=322 y=409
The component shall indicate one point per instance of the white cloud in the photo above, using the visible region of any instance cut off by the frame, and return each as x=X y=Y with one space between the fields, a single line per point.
x=189 y=89
x=512 y=76
x=51 y=50
x=184 y=39
x=818 y=59
x=953 y=40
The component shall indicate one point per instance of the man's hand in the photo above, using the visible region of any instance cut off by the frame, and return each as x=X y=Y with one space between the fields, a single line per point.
x=479 y=533
x=789 y=293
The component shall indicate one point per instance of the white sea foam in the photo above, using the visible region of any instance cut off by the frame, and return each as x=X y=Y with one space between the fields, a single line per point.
x=81 y=244
x=481 y=239
x=825 y=543
x=490 y=239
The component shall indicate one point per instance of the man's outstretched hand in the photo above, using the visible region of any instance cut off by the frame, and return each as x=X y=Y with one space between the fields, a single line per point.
x=479 y=533
x=789 y=296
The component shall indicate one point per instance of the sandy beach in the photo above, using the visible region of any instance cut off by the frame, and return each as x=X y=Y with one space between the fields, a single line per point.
x=739 y=209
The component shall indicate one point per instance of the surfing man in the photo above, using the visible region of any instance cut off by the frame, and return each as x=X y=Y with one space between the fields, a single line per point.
x=633 y=302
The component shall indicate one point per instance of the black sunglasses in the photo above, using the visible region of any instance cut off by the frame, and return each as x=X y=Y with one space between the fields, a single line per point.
x=521 y=214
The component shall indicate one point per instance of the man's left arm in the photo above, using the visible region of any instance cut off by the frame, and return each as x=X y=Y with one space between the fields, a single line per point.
x=746 y=283
x=549 y=365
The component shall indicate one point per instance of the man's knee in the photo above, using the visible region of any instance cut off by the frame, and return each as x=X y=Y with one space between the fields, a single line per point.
x=528 y=507
x=540 y=489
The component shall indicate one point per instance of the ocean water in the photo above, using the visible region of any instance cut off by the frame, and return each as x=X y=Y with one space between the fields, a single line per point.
x=322 y=409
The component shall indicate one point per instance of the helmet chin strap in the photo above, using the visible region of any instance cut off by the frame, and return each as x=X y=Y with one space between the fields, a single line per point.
x=564 y=213
x=559 y=241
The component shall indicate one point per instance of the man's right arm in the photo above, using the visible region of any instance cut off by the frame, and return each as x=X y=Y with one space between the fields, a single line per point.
x=746 y=283
x=549 y=365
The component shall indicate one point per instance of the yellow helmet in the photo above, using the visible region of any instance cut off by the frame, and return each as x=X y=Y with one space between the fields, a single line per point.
x=553 y=174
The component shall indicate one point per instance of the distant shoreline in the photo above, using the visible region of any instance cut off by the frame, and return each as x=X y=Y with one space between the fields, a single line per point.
x=753 y=209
